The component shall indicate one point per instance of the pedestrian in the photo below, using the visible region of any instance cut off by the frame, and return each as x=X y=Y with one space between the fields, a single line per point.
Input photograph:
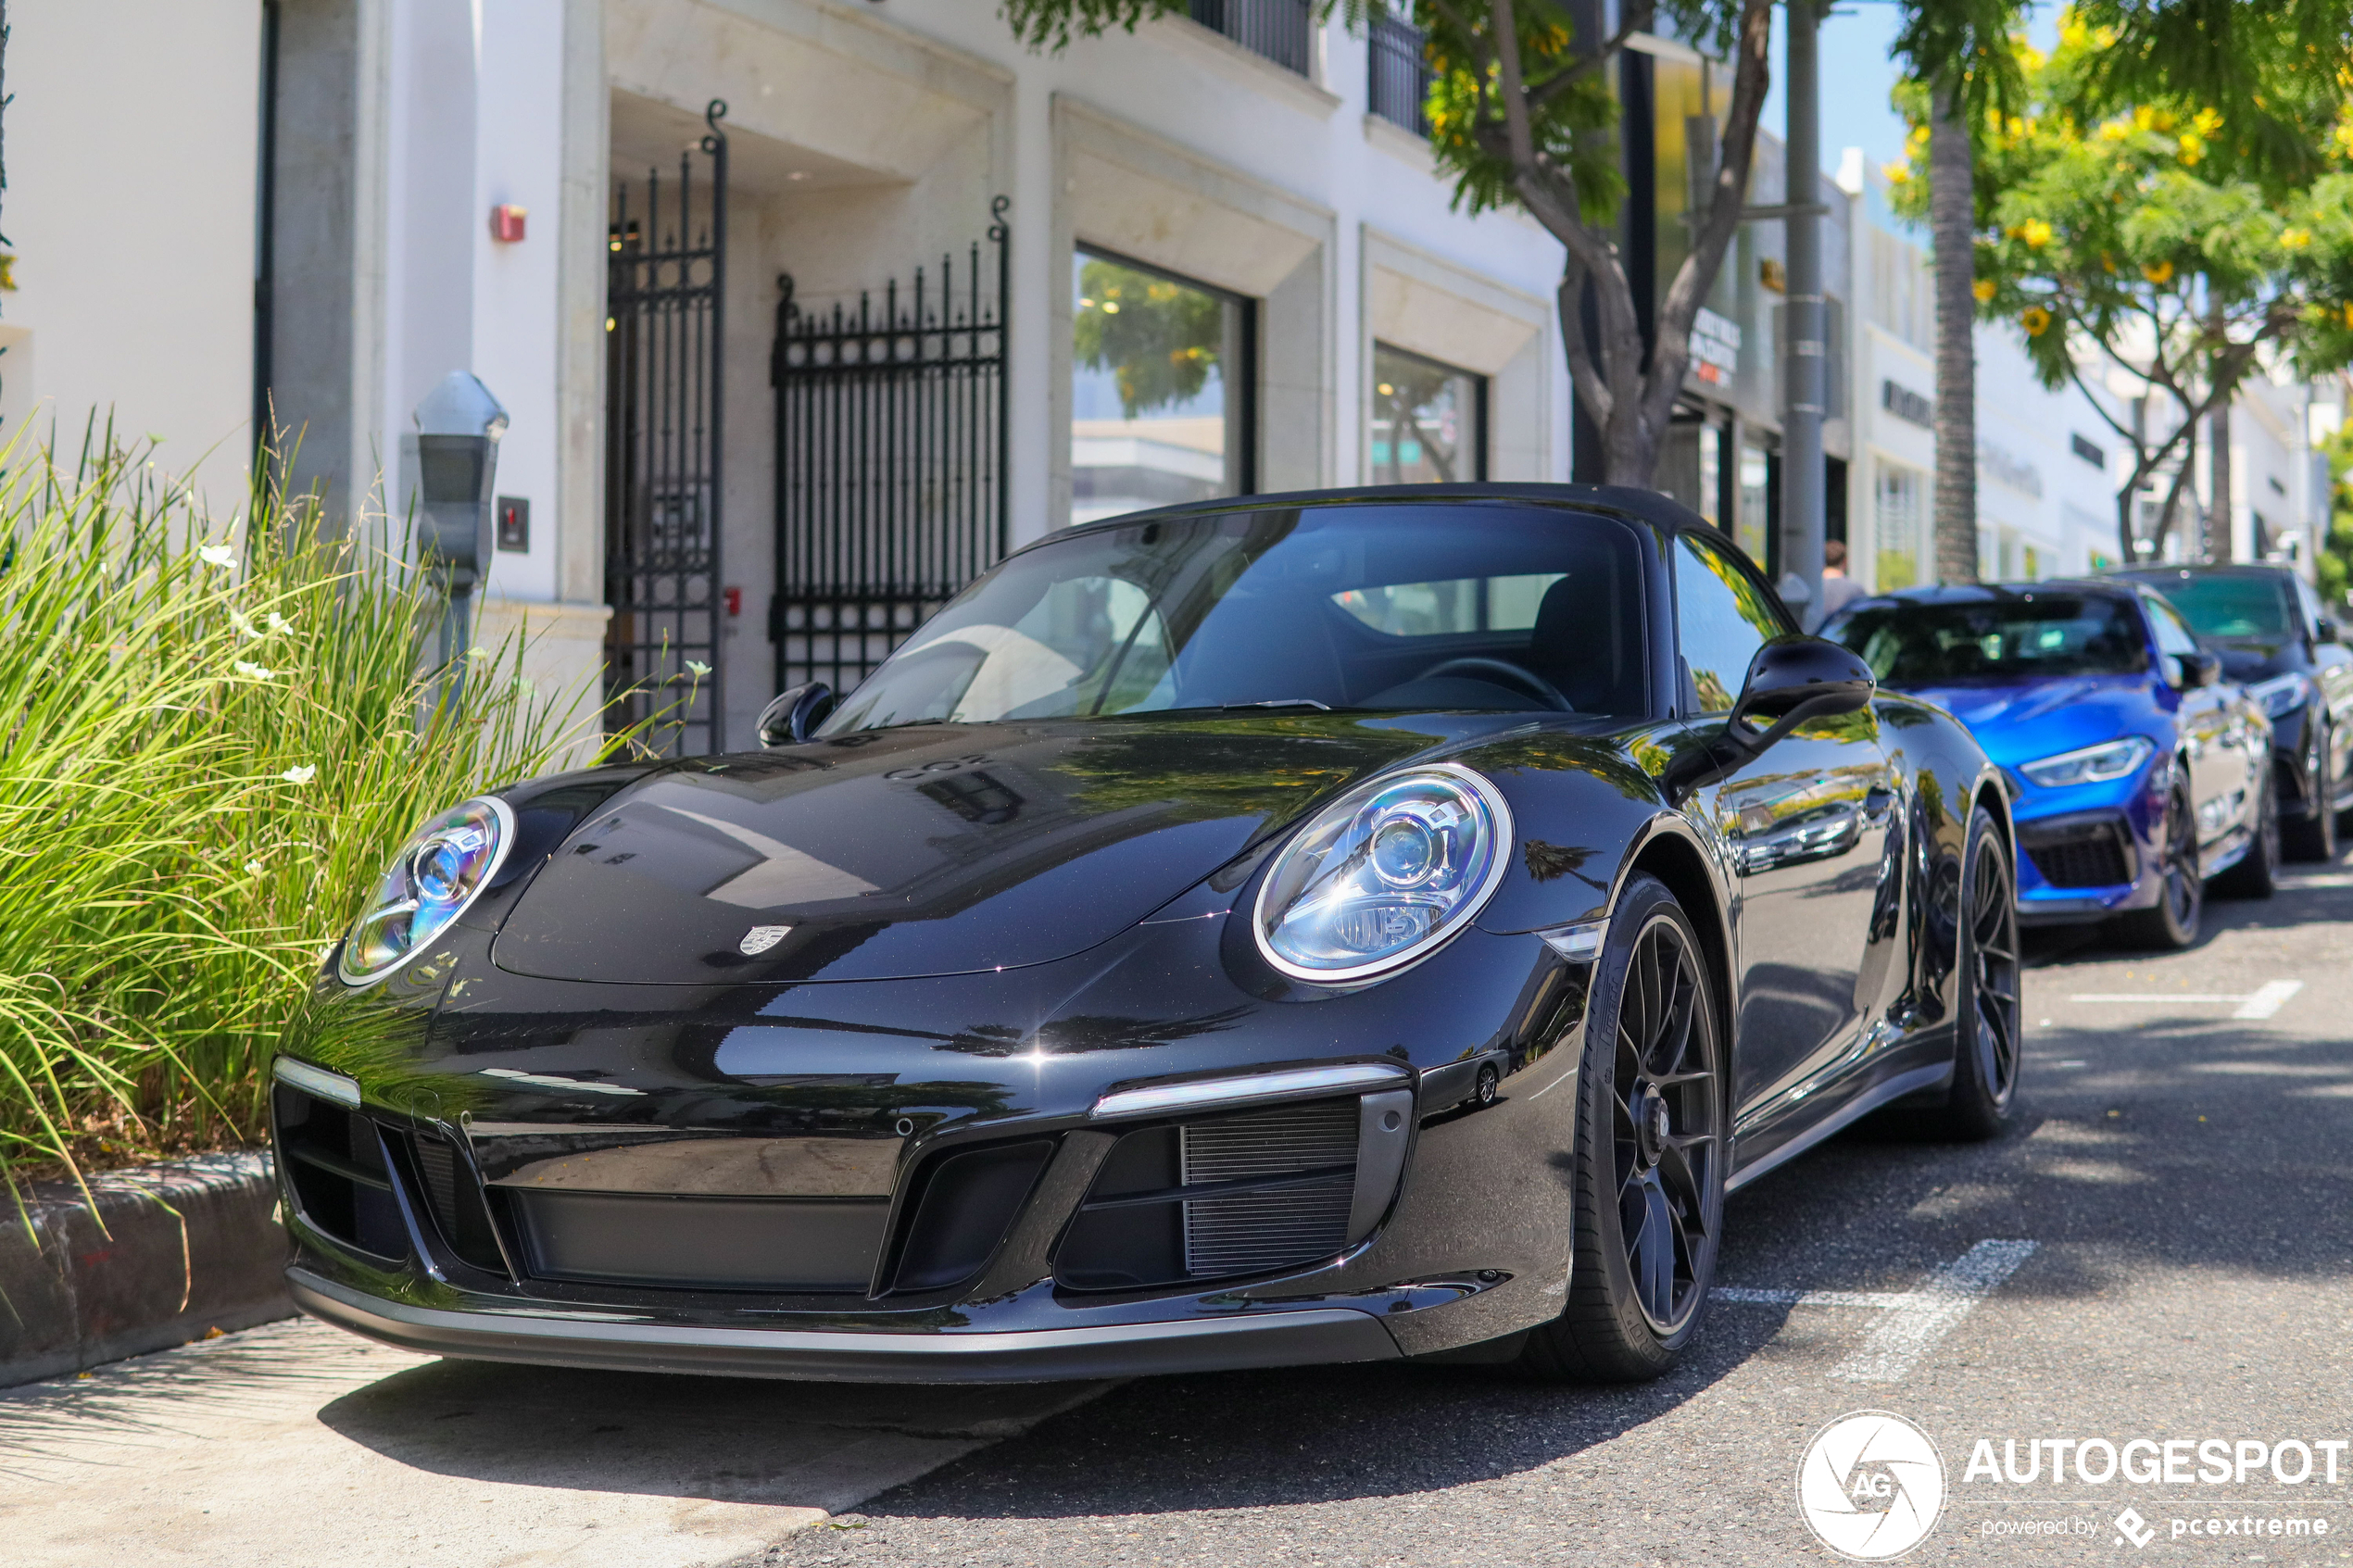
x=1838 y=589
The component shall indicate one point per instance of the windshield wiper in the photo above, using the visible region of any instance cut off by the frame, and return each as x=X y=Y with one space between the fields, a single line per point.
x=1281 y=702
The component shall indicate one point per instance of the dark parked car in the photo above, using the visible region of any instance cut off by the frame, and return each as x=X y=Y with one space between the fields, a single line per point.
x=2136 y=772
x=2275 y=640
x=1314 y=928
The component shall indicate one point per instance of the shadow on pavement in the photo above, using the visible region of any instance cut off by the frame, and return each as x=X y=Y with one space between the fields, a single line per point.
x=726 y=1438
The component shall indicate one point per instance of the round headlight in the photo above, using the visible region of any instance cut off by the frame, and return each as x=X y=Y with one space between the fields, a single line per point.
x=440 y=870
x=1383 y=876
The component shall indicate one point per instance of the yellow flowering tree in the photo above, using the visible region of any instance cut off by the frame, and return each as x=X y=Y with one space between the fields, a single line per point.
x=2143 y=234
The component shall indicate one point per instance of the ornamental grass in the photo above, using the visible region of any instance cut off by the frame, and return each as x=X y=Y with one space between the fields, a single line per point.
x=212 y=733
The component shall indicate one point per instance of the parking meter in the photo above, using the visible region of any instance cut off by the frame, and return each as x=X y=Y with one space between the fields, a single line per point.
x=458 y=426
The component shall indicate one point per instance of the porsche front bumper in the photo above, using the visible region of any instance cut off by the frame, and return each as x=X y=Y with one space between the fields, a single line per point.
x=1275 y=1336
x=741 y=1182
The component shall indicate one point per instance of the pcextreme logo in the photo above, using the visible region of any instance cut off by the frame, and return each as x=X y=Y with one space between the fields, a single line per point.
x=1871 y=1486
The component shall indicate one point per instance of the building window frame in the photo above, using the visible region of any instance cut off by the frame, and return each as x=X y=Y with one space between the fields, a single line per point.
x=1237 y=381
x=1479 y=389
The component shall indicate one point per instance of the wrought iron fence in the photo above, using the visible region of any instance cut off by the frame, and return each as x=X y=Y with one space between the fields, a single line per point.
x=1283 y=31
x=1400 y=74
x=890 y=462
x=666 y=283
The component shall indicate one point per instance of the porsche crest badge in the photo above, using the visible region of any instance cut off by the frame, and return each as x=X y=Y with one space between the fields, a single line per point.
x=760 y=938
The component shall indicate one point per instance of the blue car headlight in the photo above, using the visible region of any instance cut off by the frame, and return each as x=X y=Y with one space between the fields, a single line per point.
x=2283 y=694
x=2093 y=764
x=432 y=881
x=1384 y=875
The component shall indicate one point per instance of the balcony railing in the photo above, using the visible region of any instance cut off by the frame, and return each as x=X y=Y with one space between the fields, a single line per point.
x=1400 y=88
x=1283 y=31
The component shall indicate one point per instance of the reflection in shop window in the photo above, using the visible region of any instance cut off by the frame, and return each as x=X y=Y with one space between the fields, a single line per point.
x=1752 y=529
x=1899 y=517
x=1427 y=421
x=1160 y=373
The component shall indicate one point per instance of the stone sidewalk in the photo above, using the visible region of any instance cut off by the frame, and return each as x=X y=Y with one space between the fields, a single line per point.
x=294 y=1444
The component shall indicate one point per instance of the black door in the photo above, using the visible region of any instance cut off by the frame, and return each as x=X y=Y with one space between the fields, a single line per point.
x=1810 y=830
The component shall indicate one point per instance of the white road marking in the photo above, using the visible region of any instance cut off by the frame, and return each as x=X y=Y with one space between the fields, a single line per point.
x=2326 y=879
x=2262 y=1002
x=2269 y=999
x=1882 y=1299
x=1918 y=1320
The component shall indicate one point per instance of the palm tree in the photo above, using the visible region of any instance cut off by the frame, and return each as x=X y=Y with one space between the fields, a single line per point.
x=1959 y=50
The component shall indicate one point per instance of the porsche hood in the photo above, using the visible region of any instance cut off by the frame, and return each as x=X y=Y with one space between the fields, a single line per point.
x=928 y=851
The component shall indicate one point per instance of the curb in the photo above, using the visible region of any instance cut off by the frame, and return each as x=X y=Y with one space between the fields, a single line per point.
x=173 y=1251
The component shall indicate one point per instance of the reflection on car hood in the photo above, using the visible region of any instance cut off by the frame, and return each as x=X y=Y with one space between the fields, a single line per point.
x=2025 y=721
x=2245 y=658
x=927 y=850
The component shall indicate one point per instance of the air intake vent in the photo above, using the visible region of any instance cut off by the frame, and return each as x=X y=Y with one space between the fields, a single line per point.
x=1251 y=1193
x=334 y=1160
x=2078 y=853
x=1248 y=1233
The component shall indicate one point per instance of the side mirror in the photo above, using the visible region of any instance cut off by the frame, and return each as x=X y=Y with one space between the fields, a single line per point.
x=1791 y=680
x=1812 y=673
x=2327 y=630
x=796 y=714
x=2200 y=669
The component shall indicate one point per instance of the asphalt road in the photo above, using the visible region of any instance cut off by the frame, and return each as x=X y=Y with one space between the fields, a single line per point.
x=2160 y=1251
x=2183 y=1173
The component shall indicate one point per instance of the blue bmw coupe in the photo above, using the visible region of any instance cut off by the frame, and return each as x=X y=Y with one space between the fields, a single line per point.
x=2137 y=774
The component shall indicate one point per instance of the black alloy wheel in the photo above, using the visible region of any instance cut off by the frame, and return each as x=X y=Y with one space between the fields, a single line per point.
x=1650 y=1154
x=2257 y=875
x=2180 y=903
x=1990 y=1022
x=2313 y=835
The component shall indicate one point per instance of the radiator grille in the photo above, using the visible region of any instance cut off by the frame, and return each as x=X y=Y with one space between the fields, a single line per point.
x=1252 y=1232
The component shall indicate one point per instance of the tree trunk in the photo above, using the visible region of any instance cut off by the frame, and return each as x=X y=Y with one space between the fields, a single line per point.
x=1952 y=217
x=2220 y=545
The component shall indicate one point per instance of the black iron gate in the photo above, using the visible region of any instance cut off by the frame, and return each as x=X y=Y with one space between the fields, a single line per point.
x=890 y=463
x=665 y=284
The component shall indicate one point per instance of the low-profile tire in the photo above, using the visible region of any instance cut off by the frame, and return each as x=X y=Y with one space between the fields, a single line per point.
x=2180 y=903
x=1650 y=1150
x=2313 y=835
x=1988 y=1034
x=2257 y=873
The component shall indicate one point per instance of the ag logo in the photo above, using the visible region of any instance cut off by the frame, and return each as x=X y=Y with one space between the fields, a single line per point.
x=760 y=938
x=1871 y=1486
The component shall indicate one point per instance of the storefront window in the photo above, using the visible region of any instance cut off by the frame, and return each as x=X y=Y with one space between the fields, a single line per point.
x=1159 y=379
x=1428 y=421
x=1899 y=517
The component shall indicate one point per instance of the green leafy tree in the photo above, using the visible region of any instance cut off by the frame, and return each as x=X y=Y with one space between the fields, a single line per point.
x=2141 y=232
x=2336 y=558
x=1522 y=114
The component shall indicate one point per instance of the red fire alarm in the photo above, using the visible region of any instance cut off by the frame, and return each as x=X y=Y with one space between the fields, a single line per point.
x=505 y=224
x=735 y=597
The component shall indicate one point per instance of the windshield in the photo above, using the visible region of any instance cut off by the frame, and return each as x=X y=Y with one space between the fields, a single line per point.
x=2231 y=607
x=1908 y=644
x=1393 y=606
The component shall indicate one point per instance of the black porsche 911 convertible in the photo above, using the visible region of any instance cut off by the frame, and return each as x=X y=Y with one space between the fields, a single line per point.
x=1310 y=928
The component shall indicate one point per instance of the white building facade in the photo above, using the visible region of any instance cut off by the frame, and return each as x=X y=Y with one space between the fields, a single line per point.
x=701 y=467
x=2049 y=463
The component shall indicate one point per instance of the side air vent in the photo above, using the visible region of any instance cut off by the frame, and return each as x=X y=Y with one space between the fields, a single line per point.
x=2079 y=851
x=334 y=1160
x=454 y=1196
x=1254 y=1192
x=1309 y=1150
